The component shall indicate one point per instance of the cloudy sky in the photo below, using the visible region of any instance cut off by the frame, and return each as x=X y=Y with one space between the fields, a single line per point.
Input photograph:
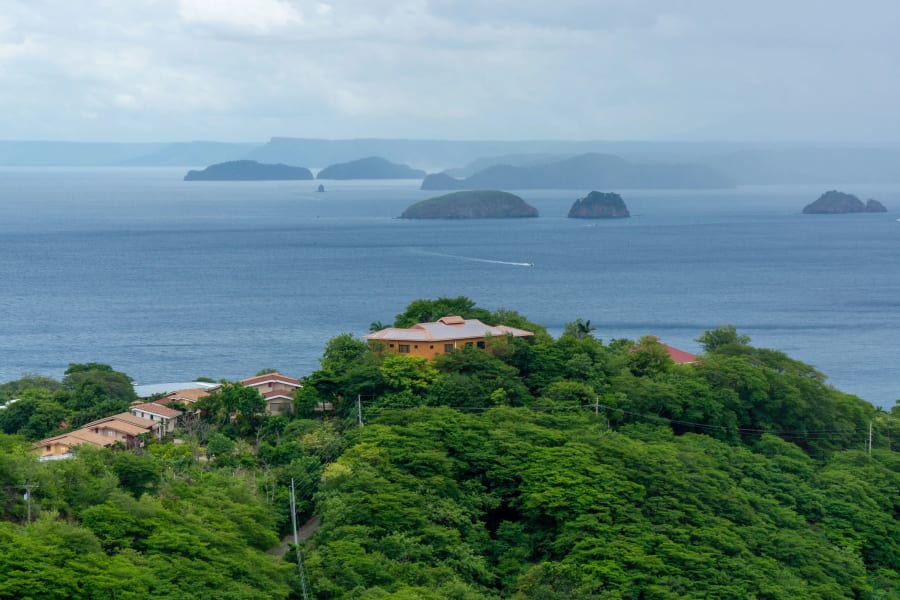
x=246 y=70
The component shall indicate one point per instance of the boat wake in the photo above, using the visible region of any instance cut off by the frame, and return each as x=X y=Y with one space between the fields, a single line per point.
x=474 y=259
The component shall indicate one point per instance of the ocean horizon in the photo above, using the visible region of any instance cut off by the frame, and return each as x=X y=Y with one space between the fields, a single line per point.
x=169 y=280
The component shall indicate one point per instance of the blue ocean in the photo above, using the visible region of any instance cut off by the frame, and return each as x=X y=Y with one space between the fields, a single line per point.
x=169 y=280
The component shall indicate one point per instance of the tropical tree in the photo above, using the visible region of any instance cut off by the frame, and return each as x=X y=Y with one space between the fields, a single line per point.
x=724 y=335
x=579 y=329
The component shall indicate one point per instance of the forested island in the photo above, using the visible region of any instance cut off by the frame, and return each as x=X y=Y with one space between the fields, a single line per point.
x=540 y=467
x=598 y=205
x=248 y=170
x=591 y=171
x=834 y=202
x=373 y=167
x=471 y=204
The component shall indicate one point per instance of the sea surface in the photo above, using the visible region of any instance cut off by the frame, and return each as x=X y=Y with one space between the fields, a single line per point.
x=169 y=280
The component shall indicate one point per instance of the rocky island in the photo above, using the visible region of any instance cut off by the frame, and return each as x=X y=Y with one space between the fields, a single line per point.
x=373 y=167
x=874 y=206
x=835 y=203
x=598 y=205
x=473 y=204
x=248 y=170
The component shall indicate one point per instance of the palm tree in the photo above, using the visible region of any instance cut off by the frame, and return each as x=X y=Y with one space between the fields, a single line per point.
x=579 y=329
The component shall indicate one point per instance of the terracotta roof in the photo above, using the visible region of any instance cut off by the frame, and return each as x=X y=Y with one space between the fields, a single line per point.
x=188 y=395
x=125 y=417
x=156 y=409
x=269 y=377
x=276 y=394
x=145 y=391
x=446 y=328
x=120 y=426
x=77 y=437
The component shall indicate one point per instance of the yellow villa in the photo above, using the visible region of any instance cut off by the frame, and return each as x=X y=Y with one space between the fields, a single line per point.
x=442 y=336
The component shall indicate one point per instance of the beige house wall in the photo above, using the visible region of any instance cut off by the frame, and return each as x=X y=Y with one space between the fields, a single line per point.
x=428 y=349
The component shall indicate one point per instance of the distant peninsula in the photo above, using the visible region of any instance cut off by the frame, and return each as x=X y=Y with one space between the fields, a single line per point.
x=248 y=170
x=373 y=167
x=598 y=205
x=835 y=203
x=471 y=204
x=589 y=171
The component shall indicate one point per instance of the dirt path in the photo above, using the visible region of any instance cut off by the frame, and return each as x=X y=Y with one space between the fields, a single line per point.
x=303 y=534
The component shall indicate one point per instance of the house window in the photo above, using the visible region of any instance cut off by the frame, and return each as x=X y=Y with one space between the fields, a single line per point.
x=448 y=347
x=403 y=348
x=378 y=346
x=416 y=346
x=480 y=345
x=392 y=345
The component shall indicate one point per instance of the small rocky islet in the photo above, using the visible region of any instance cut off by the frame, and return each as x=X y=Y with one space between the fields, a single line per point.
x=471 y=204
x=599 y=205
x=836 y=203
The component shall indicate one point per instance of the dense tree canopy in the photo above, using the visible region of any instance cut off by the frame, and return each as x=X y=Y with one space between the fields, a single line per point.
x=535 y=468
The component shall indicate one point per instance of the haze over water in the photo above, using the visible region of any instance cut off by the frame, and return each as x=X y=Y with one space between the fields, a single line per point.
x=168 y=280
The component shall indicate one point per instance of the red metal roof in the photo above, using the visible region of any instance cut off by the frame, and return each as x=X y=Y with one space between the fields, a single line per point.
x=678 y=356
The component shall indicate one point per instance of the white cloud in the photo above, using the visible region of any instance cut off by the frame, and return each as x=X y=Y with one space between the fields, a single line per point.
x=125 y=101
x=251 y=69
x=260 y=16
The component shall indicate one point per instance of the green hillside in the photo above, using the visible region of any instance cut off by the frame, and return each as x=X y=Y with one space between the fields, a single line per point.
x=536 y=468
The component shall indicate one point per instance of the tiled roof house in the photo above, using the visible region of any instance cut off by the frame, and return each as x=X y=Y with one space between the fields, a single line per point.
x=277 y=389
x=442 y=336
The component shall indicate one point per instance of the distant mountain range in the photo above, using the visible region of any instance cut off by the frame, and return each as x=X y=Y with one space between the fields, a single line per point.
x=585 y=171
x=373 y=167
x=743 y=163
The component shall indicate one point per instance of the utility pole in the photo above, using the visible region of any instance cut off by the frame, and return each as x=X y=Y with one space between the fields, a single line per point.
x=596 y=405
x=28 y=487
x=297 y=542
x=869 y=444
x=359 y=418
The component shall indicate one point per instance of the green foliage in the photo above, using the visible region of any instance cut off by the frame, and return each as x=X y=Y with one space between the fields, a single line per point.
x=199 y=537
x=343 y=351
x=579 y=329
x=648 y=358
x=724 y=335
x=535 y=505
x=30 y=385
x=45 y=406
x=565 y=469
x=136 y=473
x=424 y=311
x=231 y=398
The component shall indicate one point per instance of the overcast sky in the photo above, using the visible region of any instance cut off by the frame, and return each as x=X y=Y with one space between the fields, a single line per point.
x=246 y=70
